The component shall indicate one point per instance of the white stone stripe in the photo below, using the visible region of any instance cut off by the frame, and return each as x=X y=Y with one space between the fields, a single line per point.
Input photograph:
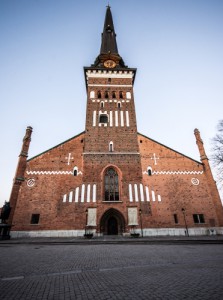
x=127 y=118
x=141 y=192
x=94 y=192
x=49 y=172
x=70 y=196
x=147 y=194
x=82 y=192
x=122 y=118
x=94 y=118
x=153 y=196
x=111 y=119
x=76 y=194
x=176 y=172
x=136 y=193
x=130 y=193
x=159 y=198
x=88 y=192
x=64 y=198
x=116 y=118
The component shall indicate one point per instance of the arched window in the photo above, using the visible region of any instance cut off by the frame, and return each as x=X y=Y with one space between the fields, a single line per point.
x=103 y=118
x=149 y=171
x=121 y=95
x=102 y=104
x=113 y=95
x=106 y=95
x=111 y=185
x=92 y=94
x=111 y=148
x=75 y=171
x=99 y=95
x=128 y=95
x=119 y=104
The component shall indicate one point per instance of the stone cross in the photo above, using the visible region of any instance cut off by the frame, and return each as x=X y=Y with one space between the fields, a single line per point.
x=155 y=158
x=69 y=158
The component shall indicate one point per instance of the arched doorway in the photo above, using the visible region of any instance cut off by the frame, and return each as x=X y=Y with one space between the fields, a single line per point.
x=112 y=222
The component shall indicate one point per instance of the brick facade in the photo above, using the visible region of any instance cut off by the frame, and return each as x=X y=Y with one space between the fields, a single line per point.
x=110 y=179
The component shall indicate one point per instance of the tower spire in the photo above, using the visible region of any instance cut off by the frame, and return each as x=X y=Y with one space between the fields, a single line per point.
x=109 y=48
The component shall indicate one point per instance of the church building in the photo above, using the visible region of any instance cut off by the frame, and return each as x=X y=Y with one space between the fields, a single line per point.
x=110 y=179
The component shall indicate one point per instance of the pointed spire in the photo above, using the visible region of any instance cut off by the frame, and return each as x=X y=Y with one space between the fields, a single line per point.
x=109 y=48
x=108 y=43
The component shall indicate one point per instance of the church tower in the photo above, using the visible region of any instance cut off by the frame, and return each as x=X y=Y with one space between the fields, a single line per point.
x=111 y=152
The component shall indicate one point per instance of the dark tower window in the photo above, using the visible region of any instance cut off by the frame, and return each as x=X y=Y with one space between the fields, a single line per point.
x=35 y=219
x=111 y=185
x=103 y=118
x=175 y=218
x=99 y=95
x=113 y=95
x=121 y=95
x=149 y=171
x=106 y=95
x=75 y=172
x=102 y=104
x=119 y=104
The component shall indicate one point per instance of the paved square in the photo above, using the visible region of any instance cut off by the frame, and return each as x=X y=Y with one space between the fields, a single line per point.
x=115 y=271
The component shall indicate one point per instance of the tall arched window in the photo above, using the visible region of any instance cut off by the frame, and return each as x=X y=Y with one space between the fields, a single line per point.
x=106 y=95
x=99 y=95
x=102 y=104
x=149 y=171
x=111 y=185
x=121 y=95
x=113 y=95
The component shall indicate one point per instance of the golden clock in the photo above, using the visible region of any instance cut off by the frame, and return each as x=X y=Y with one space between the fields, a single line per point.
x=109 y=63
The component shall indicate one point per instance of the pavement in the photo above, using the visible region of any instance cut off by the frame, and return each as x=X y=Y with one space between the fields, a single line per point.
x=112 y=268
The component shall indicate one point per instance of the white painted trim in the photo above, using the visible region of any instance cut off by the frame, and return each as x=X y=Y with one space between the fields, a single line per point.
x=130 y=193
x=127 y=118
x=153 y=196
x=70 y=196
x=82 y=192
x=108 y=85
x=94 y=118
x=64 y=198
x=122 y=118
x=76 y=194
x=116 y=118
x=201 y=231
x=88 y=192
x=94 y=192
x=141 y=192
x=147 y=194
x=112 y=153
x=109 y=75
x=111 y=119
x=136 y=192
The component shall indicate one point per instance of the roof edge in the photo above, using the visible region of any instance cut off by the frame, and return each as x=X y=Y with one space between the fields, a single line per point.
x=56 y=146
x=170 y=148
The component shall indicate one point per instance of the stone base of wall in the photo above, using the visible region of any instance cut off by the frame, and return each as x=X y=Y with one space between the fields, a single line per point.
x=153 y=232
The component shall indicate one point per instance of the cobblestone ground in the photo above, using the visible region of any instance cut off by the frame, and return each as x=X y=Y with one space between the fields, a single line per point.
x=111 y=271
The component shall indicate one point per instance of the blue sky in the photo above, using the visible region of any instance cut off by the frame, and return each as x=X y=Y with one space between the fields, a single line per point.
x=176 y=45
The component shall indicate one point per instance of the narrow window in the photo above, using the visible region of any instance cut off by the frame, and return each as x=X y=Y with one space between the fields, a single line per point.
x=111 y=147
x=198 y=218
x=119 y=104
x=75 y=172
x=103 y=118
x=106 y=95
x=149 y=171
x=111 y=185
x=175 y=218
x=121 y=95
x=113 y=95
x=102 y=104
x=99 y=95
x=35 y=219
x=109 y=80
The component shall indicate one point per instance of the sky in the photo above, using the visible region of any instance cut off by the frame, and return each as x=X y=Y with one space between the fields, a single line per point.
x=176 y=46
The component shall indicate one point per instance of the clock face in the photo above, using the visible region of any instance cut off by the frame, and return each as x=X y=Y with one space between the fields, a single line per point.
x=109 y=63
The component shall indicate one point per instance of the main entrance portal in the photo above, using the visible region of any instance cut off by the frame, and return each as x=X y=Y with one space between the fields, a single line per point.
x=112 y=222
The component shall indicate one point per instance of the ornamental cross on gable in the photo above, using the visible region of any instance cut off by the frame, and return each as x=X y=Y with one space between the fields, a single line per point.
x=69 y=158
x=155 y=158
